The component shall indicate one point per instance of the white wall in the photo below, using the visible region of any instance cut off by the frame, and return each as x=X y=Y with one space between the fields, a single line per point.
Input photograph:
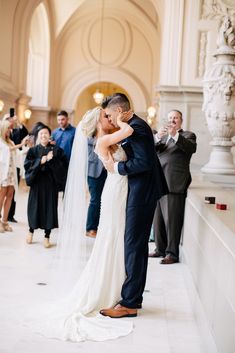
x=209 y=252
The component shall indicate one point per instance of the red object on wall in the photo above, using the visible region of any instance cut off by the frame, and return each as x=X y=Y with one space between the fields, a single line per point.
x=221 y=206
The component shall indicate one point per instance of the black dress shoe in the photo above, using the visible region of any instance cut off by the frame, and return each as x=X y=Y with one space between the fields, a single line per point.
x=13 y=220
x=168 y=260
x=156 y=254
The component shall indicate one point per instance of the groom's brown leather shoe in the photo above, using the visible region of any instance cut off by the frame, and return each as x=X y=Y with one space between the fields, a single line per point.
x=119 y=311
x=91 y=233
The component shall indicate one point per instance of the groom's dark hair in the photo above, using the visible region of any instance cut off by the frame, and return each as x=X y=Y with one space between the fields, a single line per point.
x=120 y=100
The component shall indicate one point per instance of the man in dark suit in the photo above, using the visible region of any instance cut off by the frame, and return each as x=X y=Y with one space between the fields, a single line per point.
x=174 y=148
x=146 y=184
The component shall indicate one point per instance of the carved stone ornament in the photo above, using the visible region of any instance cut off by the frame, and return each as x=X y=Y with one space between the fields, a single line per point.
x=219 y=101
x=202 y=53
x=217 y=9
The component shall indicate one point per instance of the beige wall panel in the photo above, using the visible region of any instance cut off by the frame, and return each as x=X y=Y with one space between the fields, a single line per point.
x=7 y=10
x=72 y=57
x=140 y=63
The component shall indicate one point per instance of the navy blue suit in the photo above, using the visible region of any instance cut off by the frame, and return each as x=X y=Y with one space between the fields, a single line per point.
x=146 y=184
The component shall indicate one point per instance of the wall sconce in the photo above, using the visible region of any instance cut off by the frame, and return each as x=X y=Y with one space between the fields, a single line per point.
x=1 y=105
x=151 y=115
x=27 y=114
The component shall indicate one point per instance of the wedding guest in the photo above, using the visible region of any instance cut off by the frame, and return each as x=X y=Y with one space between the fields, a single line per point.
x=96 y=178
x=35 y=130
x=97 y=175
x=32 y=139
x=18 y=132
x=8 y=174
x=174 y=148
x=45 y=172
x=64 y=134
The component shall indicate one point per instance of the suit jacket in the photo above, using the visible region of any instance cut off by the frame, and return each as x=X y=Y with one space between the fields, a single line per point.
x=175 y=160
x=146 y=180
x=18 y=134
x=95 y=166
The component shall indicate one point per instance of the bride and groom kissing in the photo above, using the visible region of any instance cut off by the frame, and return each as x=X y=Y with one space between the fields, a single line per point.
x=113 y=280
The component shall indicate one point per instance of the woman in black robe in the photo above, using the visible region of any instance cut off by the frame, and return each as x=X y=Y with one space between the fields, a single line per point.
x=45 y=172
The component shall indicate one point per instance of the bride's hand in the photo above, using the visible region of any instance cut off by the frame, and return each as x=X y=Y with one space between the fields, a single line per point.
x=124 y=116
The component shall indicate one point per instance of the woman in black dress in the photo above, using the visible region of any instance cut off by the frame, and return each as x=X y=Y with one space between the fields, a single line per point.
x=45 y=172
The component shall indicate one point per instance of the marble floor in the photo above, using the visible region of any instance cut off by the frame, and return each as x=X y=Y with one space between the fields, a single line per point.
x=166 y=324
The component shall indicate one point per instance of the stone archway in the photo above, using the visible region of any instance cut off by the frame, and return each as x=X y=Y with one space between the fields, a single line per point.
x=82 y=80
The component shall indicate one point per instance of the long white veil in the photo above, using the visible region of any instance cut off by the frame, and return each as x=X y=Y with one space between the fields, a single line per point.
x=73 y=247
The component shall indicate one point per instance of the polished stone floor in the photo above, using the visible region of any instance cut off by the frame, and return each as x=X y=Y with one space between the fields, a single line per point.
x=166 y=324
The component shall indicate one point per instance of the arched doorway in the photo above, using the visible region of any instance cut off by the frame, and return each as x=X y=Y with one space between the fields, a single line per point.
x=85 y=100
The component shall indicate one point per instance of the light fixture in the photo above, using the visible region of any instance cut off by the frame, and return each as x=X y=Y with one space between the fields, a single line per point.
x=151 y=114
x=1 y=105
x=27 y=114
x=99 y=96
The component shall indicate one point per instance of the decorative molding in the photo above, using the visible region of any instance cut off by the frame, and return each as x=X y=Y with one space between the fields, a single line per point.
x=224 y=87
x=178 y=89
x=203 y=41
x=220 y=78
x=217 y=9
x=219 y=101
x=11 y=97
x=123 y=46
x=85 y=78
x=5 y=76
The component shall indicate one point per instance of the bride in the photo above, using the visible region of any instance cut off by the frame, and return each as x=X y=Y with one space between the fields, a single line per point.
x=99 y=283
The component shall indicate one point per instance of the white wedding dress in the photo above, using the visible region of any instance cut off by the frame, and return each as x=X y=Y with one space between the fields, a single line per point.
x=77 y=317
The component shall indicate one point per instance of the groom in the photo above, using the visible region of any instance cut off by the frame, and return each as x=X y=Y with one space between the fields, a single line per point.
x=146 y=184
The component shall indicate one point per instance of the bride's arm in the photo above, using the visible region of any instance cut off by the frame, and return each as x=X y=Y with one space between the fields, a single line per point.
x=111 y=139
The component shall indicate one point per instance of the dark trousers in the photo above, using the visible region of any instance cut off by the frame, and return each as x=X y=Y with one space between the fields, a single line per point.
x=138 y=226
x=12 y=210
x=168 y=223
x=95 y=188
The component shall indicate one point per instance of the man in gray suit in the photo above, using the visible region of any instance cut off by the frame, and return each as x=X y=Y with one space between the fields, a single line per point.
x=96 y=178
x=174 y=147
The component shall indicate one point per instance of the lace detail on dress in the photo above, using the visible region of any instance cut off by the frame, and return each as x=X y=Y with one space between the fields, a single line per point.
x=10 y=180
x=118 y=156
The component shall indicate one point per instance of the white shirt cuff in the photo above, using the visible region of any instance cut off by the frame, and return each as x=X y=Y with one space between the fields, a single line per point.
x=116 y=168
x=156 y=138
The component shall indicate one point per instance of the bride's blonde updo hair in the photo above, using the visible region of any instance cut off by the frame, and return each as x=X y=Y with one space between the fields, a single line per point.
x=89 y=121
